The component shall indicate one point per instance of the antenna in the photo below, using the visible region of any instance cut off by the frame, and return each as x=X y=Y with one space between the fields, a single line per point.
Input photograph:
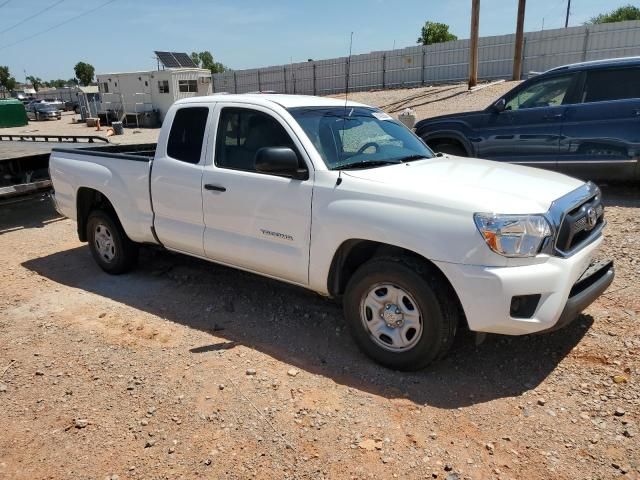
x=346 y=92
x=346 y=97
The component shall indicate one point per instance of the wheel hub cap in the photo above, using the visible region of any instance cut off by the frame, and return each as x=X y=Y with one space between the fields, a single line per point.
x=104 y=242
x=392 y=317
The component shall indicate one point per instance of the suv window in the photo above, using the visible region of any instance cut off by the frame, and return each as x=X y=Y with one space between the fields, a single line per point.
x=545 y=93
x=242 y=132
x=603 y=85
x=187 y=134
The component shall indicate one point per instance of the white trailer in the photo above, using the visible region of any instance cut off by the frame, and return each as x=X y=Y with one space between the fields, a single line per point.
x=139 y=98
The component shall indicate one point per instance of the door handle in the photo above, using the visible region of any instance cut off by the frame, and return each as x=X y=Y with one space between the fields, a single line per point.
x=215 y=188
x=636 y=112
x=554 y=116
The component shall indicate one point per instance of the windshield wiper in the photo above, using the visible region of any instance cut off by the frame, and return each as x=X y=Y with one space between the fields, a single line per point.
x=368 y=163
x=411 y=158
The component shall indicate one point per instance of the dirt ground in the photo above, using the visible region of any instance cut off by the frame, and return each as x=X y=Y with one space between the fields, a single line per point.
x=69 y=124
x=185 y=369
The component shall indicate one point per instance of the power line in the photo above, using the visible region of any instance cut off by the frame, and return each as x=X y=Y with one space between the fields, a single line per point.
x=58 y=25
x=32 y=16
x=4 y=3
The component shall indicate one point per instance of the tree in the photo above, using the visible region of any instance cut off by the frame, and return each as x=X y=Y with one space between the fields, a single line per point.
x=6 y=80
x=35 y=81
x=10 y=84
x=628 y=12
x=4 y=77
x=73 y=81
x=196 y=58
x=434 y=32
x=84 y=72
x=59 y=83
x=205 y=60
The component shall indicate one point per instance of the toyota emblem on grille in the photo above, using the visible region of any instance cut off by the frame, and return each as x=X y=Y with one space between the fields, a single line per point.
x=592 y=218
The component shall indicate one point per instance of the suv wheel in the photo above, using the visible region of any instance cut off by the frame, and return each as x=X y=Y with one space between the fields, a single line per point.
x=451 y=149
x=111 y=248
x=399 y=313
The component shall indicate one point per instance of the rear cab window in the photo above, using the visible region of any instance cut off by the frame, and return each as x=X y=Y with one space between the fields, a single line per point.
x=187 y=134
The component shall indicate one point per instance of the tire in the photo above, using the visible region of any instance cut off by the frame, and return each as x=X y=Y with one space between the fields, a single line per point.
x=110 y=247
x=451 y=149
x=424 y=296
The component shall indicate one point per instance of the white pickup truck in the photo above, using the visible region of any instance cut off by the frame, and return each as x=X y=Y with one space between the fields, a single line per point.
x=343 y=200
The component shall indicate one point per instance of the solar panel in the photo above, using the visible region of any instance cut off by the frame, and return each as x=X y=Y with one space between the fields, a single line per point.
x=175 y=59
x=184 y=60
x=167 y=59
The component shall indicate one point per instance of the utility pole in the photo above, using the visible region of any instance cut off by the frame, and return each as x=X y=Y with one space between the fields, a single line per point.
x=473 y=43
x=566 y=21
x=517 y=56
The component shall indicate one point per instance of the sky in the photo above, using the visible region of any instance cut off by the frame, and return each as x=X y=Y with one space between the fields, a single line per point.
x=121 y=35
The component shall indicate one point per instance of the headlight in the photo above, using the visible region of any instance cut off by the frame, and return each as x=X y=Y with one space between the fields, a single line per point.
x=513 y=235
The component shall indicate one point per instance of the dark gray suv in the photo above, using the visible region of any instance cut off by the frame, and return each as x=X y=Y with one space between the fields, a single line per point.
x=581 y=119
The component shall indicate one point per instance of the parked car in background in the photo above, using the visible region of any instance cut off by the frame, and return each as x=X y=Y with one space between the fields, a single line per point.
x=59 y=104
x=42 y=111
x=581 y=119
x=72 y=106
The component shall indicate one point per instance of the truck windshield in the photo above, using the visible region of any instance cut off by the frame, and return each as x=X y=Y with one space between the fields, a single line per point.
x=358 y=137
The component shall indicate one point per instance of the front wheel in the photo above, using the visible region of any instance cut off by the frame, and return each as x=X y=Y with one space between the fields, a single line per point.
x=400 y=313
x=451 y=149
x=111 y=248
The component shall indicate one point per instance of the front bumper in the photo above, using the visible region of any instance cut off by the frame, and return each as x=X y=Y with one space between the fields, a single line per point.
x=593 y=283
x=564 y=285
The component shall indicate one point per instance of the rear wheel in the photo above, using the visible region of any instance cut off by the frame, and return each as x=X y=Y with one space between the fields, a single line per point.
x=111 y=248
x=400 y=313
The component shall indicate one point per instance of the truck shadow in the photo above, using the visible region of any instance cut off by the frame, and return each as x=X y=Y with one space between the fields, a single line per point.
x=29 y=212
x=306 y=330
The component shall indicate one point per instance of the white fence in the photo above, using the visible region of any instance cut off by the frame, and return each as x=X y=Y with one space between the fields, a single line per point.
x=439 y=63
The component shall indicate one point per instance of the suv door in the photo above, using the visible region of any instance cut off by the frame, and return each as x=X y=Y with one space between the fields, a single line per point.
x=253 y=220
x=176 y=181
x=600 y=134
x=527 y=131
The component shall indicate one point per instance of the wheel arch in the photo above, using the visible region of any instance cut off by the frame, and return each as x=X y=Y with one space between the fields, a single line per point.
x=87 y=200
x=351 y=254
x=443 y=136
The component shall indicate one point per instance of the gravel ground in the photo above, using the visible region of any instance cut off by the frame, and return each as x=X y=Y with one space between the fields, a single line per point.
x=67 y=126
x=433 y=100
x=185 y=369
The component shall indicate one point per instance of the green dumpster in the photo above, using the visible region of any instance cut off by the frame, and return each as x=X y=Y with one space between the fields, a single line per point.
x=12 y=113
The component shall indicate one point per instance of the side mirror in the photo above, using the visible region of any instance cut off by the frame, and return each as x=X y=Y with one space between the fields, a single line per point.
x=500 y=105
x=281 y=161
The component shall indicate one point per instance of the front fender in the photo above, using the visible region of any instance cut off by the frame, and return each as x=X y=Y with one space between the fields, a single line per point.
x=435 y=232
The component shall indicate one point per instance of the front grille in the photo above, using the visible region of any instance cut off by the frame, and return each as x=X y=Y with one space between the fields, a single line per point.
x=580 y=224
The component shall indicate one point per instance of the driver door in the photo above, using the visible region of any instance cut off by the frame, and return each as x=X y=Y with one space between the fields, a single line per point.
x=254 y=220
x=528 y=130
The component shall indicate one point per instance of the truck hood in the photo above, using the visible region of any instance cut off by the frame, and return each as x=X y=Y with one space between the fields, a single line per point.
x=470 y=184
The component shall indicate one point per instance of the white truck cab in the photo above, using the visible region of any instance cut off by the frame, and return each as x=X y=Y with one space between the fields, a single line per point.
x=342 y=199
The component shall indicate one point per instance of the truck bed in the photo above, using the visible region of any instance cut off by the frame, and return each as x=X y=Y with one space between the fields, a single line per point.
x=118 y=172
x=141 y=152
